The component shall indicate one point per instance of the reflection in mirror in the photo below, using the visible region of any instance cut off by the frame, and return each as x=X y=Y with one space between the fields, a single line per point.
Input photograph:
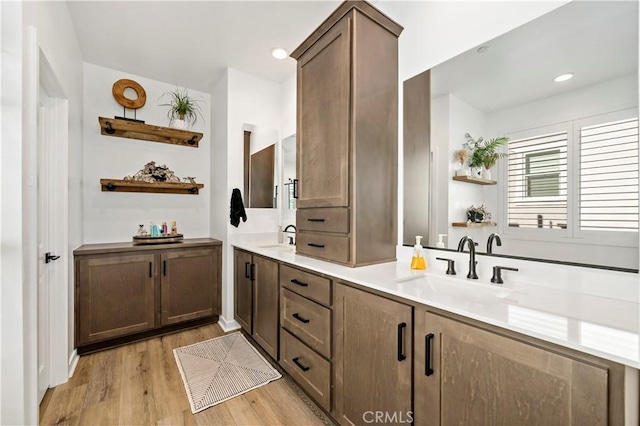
x=568 y=189
x=259 y=167
x=289 y=181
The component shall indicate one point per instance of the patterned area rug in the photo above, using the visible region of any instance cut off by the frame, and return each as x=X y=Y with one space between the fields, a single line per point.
x=219 y=369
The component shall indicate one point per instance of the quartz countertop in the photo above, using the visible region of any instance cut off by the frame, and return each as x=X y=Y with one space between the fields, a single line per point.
x=606 y=327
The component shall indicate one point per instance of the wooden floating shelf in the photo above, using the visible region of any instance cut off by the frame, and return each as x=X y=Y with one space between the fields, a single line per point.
x=477 y=181
x=147 y=132
x=472 y=225
x=117 y=185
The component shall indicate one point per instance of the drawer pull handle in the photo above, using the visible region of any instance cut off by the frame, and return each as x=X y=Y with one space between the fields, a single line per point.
x=164 y=268
x=246 y=269
x=300 y=283
x=315 y=220
x=150 y=269
x=302 y=367
x=401 y=327
x=315 y=245
x=299 y=318
x=428 y=370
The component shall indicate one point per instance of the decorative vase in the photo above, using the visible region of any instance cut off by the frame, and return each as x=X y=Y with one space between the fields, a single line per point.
x=179 y=124
x=462 y=172
x=476 y=172
x=486 y=174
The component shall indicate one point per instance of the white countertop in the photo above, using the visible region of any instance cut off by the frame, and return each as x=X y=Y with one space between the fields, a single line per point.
x=603 y=326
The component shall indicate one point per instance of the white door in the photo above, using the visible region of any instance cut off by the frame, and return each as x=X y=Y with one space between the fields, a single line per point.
x=45 y=264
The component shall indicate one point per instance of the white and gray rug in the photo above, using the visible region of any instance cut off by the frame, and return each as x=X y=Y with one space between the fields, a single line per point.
x=219 y=369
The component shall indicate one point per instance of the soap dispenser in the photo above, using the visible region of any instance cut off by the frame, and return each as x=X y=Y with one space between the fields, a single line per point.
x=440 y=243
x=417 y=261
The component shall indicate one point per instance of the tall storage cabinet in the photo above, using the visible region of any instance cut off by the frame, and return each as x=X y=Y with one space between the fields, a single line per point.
x=347 y=132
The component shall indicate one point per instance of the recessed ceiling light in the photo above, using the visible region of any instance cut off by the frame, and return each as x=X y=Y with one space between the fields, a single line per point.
x=563 y=77
x=482 y=49
x=279 y=53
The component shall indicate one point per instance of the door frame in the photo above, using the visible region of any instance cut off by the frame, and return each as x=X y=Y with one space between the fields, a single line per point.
x=40 y=74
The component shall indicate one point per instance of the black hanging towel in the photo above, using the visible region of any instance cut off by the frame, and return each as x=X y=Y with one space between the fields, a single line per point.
x=237 y=208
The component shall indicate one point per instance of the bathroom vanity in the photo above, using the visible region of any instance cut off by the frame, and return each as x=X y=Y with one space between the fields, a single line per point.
x=448 y=350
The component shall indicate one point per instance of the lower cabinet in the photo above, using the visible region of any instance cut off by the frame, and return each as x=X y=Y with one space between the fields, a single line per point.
x=467 y=375
x=129 y=292
x=115 y=296
x=305 y=336
x=256 y=299
x=373 y=358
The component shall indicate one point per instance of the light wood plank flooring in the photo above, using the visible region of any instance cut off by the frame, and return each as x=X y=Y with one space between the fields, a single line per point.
x=139 y=384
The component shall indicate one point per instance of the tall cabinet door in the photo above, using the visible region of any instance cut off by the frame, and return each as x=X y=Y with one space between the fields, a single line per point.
x=323 y=120
x=243 y=290
x=466 y=375
x=265 y=304
x=373 y=357
x=188 y=284
x=116 y=298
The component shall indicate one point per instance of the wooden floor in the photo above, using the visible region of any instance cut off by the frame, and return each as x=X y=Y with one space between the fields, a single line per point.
x=139 y=384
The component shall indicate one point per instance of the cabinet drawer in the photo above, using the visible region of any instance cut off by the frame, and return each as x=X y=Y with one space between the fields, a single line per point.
x=308 y=369
x=306 y=320
x=309 y=285
x=327 y=247
x=324 y=220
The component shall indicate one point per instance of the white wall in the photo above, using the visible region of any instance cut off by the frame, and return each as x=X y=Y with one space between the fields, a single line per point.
x=115 y=216
x=254 y=101
x=14 y=408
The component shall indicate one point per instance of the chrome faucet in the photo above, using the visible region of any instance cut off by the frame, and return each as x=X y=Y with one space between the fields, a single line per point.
x=492 y=237
x=472 y=256
x=292 y=241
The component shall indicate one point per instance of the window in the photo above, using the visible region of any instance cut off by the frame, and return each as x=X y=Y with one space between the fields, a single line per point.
x=538 y=181
x=579 y=178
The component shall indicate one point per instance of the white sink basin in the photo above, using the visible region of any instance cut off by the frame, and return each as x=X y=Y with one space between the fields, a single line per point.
x=279 y=247
x=459 y=288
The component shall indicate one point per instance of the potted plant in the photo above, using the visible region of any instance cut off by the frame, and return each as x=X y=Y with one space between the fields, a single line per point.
x=484 y=153
x=183 y=109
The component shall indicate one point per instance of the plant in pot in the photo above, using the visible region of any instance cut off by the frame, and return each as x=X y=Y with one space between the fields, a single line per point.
x=485 y=154
x=184 y=110
x=461 y=157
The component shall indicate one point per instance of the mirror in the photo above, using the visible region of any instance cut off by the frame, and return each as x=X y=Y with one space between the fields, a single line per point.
x=260 y=188
x=565 y=192
x=289 y=182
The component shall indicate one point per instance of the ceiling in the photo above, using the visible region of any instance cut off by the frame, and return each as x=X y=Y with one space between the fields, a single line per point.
x=597 y=41
x=191 y=43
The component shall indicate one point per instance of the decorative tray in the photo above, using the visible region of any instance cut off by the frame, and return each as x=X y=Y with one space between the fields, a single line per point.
x=164 y=239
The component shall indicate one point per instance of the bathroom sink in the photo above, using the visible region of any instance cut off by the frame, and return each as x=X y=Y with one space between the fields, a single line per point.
x=460 y=289
x=279 y=247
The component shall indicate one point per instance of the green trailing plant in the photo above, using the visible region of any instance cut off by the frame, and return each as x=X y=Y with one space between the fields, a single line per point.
x=182 y=106
x=485 y=152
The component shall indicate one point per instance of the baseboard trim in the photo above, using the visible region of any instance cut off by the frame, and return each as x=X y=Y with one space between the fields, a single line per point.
x=228 y=326
x=73 y=362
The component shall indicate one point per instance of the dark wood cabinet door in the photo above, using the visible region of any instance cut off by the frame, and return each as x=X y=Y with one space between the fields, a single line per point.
x=373 y=357
x=243 y=289
x=323 y=120
x=188 y=284
x=479 y=377
x=116 y=296
x=265 y=304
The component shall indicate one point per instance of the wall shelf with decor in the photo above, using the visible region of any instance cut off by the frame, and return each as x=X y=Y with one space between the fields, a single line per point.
x=472 y=224
x=476 y=180
x=118 y=185
x=137 y=130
